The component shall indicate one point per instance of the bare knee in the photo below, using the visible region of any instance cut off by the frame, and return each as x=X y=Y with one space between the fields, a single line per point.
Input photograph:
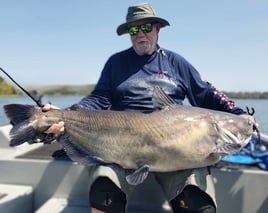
x=93 y=210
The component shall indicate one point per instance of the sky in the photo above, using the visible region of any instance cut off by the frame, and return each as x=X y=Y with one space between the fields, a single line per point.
x=45 y=42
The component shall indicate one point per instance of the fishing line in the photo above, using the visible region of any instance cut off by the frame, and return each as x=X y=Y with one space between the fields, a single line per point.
x=42 y=137
x=38 y=102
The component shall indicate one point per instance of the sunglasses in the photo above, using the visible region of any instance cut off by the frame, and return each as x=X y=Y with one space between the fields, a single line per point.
x=146 y=28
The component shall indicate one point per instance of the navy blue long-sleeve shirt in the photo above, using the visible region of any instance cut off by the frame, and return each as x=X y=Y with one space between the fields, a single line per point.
x=127 y=81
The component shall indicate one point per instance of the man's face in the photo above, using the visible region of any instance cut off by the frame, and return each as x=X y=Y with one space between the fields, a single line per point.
x=145 y=43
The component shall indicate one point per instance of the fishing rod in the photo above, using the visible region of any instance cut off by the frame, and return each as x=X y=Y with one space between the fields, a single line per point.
x=42 y=137
x=38 y=102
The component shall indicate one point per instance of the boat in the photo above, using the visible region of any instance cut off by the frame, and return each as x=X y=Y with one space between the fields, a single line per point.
x=34 y=180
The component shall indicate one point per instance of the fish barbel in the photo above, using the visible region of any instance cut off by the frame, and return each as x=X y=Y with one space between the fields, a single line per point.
x=173 y=138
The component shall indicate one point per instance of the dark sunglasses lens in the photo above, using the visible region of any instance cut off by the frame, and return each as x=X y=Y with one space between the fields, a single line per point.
x=133 y=30
x=146 y=28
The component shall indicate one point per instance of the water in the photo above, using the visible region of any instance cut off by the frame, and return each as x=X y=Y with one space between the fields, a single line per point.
x=59 y=101
x=260 y=106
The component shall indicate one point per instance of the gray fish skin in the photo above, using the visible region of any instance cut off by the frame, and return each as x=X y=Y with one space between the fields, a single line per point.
x=174 y=138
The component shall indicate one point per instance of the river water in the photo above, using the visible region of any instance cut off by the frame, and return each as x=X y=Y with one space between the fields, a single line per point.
x=260 y=106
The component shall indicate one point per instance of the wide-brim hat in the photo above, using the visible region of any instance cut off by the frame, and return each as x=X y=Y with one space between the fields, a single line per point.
x=140 y=12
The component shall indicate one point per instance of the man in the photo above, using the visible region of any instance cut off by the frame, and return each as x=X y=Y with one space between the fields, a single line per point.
x=126 y=83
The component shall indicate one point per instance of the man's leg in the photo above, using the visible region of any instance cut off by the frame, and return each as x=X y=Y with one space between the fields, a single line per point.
x=105 y=196
x=188 y=190
x=192 y=199
x=93 y=210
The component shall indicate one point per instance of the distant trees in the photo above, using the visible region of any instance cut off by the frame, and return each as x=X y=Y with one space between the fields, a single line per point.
x=65 y=89
x=247 y=95
x=6 y=89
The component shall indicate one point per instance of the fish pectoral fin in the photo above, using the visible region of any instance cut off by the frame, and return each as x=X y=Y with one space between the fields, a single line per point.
x=138 y=176
x=78 y=153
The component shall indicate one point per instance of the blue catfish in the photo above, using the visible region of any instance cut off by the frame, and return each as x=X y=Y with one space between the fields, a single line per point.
x=172 y=138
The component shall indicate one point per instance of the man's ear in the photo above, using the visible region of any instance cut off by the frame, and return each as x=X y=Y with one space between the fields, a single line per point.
x=157 y=27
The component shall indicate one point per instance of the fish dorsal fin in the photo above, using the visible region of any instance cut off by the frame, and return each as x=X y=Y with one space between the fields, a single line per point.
x=138 y=176
x=160 y=99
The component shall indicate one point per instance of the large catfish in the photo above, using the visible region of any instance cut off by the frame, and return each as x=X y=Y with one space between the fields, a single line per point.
x=172 y=138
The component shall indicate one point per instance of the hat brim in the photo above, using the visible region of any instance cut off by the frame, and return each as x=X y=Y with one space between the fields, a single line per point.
x=123 y=28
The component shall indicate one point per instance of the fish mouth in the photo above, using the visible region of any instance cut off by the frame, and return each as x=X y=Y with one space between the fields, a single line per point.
x=231 y=143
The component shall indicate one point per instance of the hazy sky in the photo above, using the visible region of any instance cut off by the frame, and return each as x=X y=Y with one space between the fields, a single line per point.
x=68 y=41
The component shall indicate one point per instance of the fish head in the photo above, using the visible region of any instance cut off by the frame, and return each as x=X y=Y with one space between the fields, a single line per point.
x=234 y=132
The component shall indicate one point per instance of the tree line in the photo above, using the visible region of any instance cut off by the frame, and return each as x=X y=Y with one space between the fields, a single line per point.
x=247 y=95
x=7 y=89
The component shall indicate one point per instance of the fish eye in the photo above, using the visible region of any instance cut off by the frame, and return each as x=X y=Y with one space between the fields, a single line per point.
x=250 y=122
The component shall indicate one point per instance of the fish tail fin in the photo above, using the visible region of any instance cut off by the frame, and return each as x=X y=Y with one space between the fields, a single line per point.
x=23 y=130
x=18 y=112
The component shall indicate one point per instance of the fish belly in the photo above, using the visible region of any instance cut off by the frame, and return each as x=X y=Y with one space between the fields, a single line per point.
x=164 y=142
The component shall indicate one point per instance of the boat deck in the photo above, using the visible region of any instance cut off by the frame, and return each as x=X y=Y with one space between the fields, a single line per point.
x=39 y=178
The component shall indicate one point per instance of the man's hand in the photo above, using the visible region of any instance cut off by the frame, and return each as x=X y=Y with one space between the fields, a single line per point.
x=57 y=128
x=249 y=117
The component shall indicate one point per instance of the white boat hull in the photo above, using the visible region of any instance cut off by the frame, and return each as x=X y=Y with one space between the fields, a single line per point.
x=62 y=186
